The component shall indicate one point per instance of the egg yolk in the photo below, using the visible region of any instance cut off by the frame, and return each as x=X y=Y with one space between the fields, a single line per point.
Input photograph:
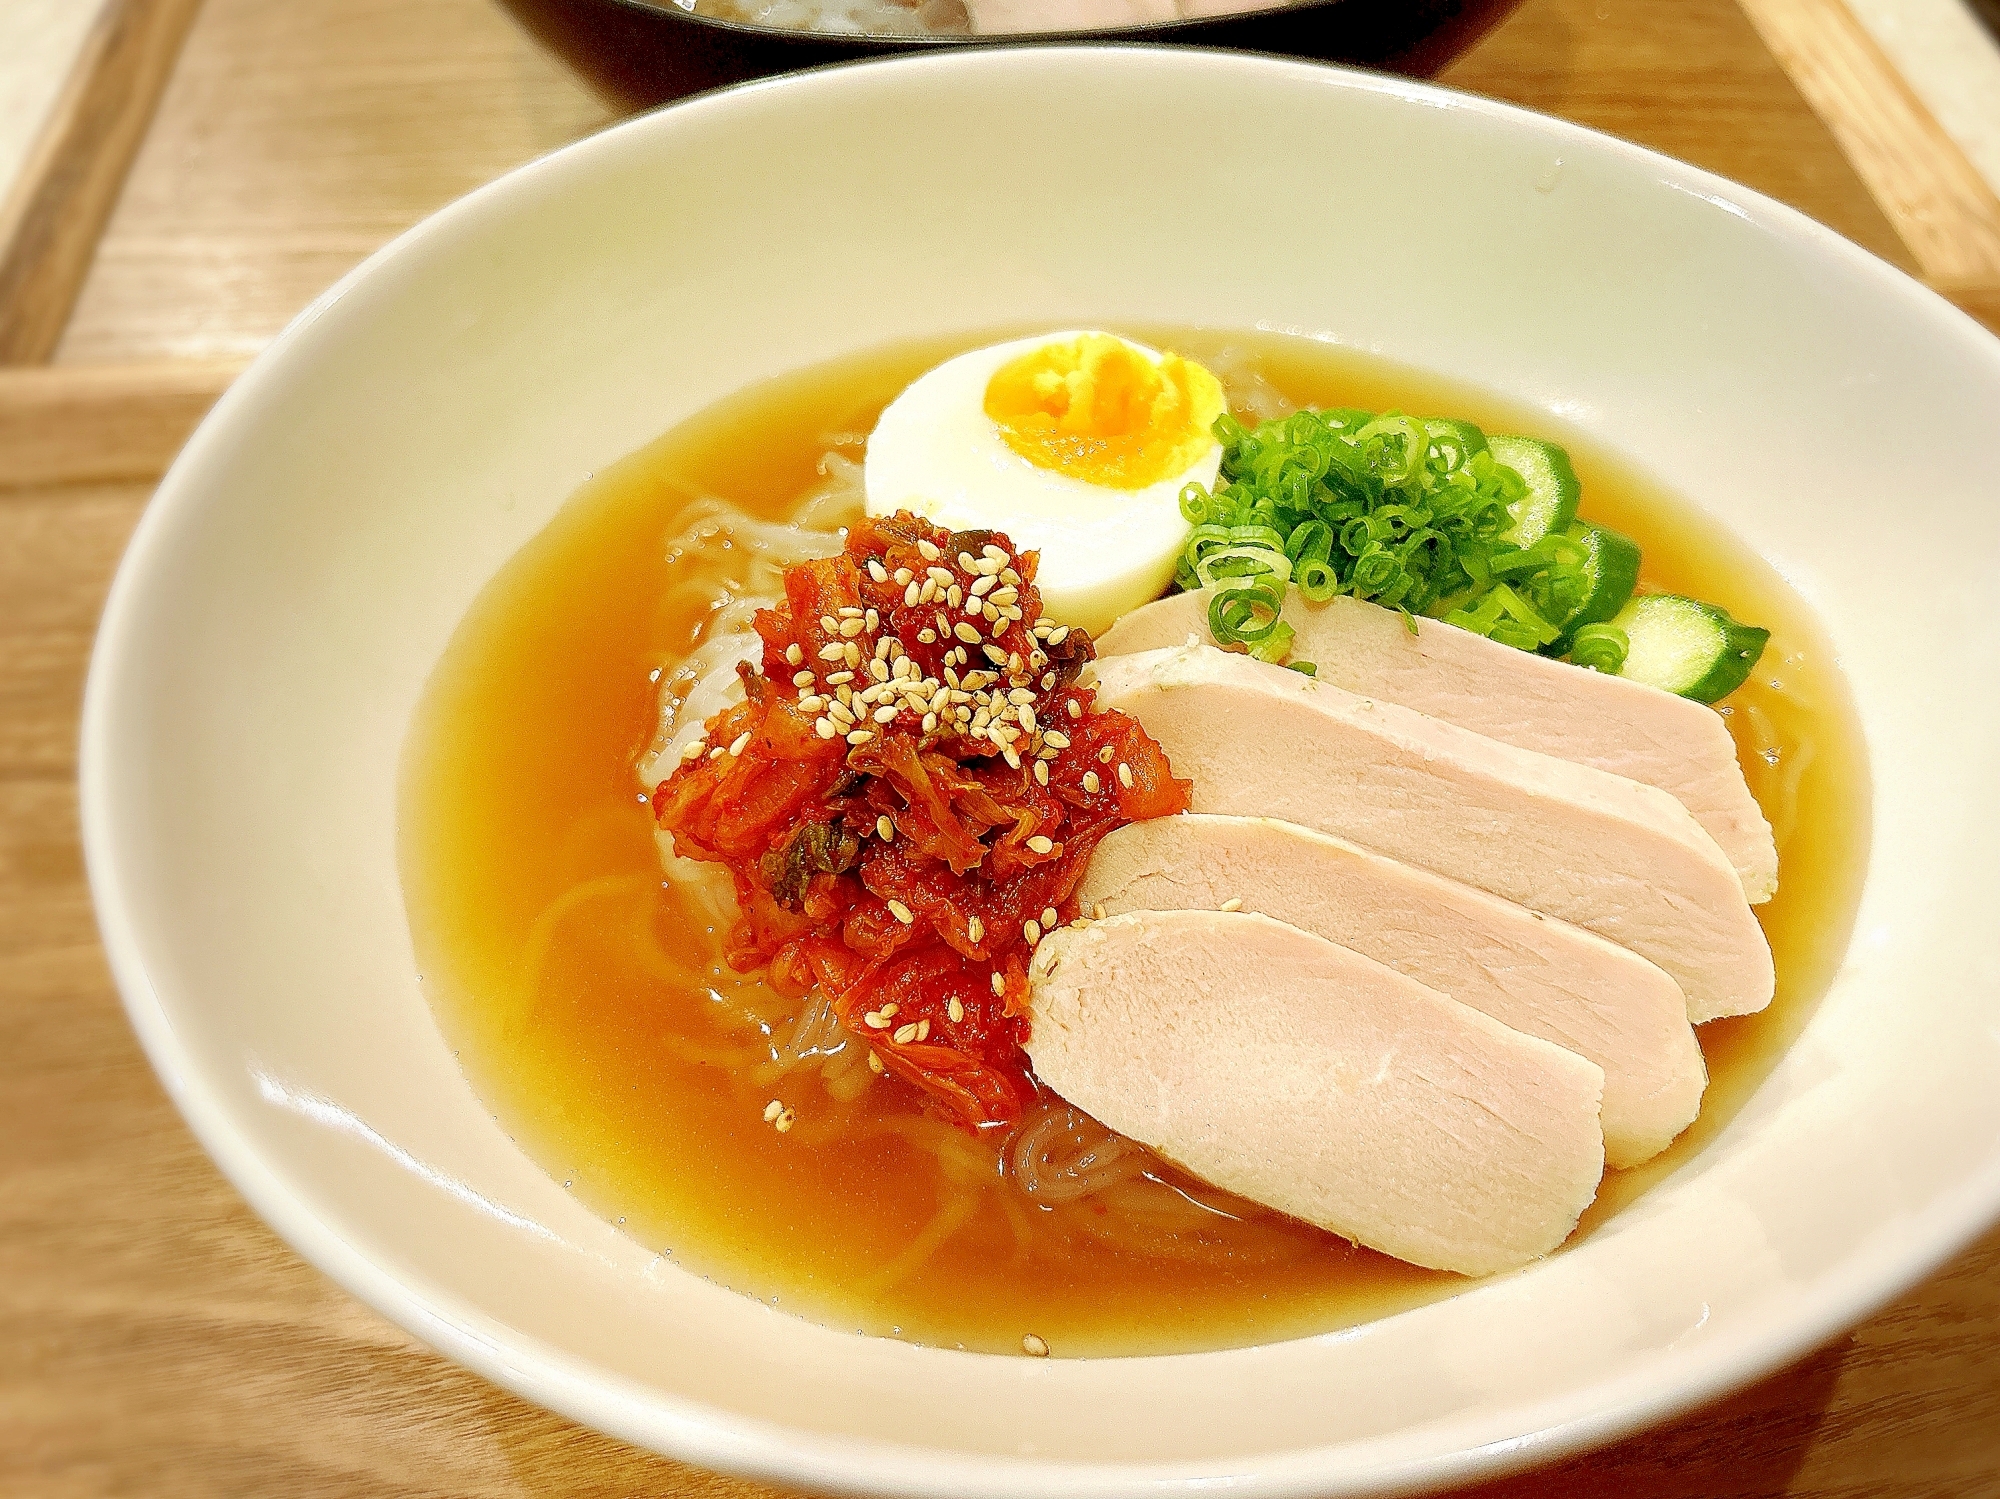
x=1096 y=409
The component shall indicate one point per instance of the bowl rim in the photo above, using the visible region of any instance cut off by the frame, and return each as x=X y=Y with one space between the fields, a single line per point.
x=704 y=1435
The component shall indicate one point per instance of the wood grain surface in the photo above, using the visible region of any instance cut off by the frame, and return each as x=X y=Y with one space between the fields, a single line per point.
x=1940 y=205
x=296 y=137
x=56 y=208
x=98 y=423
x=155 y=1338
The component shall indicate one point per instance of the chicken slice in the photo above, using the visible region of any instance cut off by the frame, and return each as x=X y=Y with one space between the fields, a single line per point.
x=1622 y=859
x=1534 y=973
x=1306 y=1077
x=1517 y=697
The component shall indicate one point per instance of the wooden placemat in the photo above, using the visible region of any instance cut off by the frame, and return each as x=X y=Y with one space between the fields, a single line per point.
x=155 y=1338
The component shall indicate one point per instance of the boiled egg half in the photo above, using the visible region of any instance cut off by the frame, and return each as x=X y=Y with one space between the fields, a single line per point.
x=1076 y=445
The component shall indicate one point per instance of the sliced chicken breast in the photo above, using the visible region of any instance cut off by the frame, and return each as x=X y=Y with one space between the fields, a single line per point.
x=1534 y=973
x=1301 y=1075
x=1517 y=697
x=1622 y=859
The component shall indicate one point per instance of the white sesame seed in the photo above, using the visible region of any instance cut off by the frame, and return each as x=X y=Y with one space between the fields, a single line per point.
x=901 y=912
x=849 y=628
x=877 y=571
x=999 y=985
x=911 y=595
x=693 y=751
x=852 y=653
x=831 y=652
x=1005 y=596
x=1008 y=575
x=1058 y=635
x=1124 y=775
x=1027 y=716
x=1033 y=1346
x=875 y=1019
x=923 y=1030
x=1104 y=755
x=1012 y=756
x=1057 y=738
x=887 y=714
x=793 y=654
x=966 y=564
x=965 y=632
x=773 y=1109
x=784 y=1121
x=983 y=586
x=874 y=1060
x=955 y=1010
x=1090 y=782
x=889 y=1010
x=872 y=620
x=930 y=723
x=825 y=729
x=1234 y=903
x=849 y=611
x=1039 y=844
x=828 y=623
x=1049 y=917
x=840 y=679
x=736 y=745
x=811 y=703
x=1074 y=708
x=860 y=736
x=1042 y=772
x=1097 y=911
x=903 y=575
x=926 y=637
x=994 y=654
x=998 y=553
x=905 y=1034
x=929 y=550
x=954 y=596
x=975 y=929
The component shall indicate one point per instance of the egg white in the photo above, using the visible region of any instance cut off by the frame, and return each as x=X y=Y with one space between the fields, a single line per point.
x=1104 y=551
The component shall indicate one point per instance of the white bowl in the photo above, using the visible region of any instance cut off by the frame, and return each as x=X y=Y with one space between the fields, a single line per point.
x=307 y=558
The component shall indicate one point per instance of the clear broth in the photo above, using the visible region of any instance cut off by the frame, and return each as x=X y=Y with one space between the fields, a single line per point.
x=548 y=943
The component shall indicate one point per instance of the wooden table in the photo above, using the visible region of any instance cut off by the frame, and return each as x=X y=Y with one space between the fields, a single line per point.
x=158 y=1340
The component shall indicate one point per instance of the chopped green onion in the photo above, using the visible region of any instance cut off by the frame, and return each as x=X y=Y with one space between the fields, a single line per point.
x=1601 y=648
x=1408 y=513
x=1502 y=614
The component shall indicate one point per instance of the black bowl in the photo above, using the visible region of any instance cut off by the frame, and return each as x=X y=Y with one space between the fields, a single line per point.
x=639 y=53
